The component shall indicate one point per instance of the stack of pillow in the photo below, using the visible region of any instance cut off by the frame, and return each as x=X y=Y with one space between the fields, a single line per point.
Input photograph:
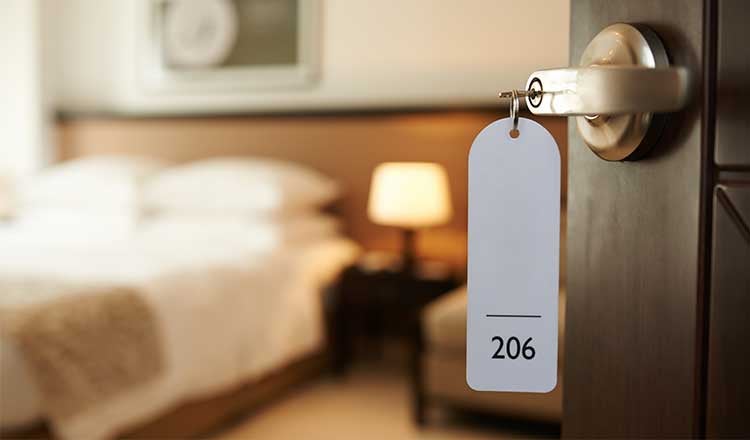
x=86 y=196
x=119 y=194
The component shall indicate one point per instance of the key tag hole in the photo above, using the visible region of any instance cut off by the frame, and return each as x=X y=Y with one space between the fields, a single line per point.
x=514 y=133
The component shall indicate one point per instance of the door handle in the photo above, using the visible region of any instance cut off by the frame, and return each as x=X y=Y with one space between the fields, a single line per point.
x=608 y=90
x=620 y=93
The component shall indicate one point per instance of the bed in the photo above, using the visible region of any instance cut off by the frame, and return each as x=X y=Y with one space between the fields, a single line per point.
x=105 y=329
x=344 y=146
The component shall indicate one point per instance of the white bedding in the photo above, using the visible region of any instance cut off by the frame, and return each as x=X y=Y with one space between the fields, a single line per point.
x=232 y=308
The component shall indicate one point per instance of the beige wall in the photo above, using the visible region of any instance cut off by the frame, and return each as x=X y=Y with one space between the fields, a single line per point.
x=387 y=53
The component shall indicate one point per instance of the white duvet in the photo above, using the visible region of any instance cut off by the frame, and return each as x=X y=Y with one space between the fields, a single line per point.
x=234 y=303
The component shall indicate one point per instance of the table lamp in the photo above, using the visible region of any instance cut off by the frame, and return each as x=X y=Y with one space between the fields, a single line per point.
x=409 y=195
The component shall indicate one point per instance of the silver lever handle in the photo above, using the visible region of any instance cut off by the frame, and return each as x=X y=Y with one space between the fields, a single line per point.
x=607 y=90
x=619 y=93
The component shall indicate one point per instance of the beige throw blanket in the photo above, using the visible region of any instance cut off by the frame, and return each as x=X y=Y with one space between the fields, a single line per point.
x=81 y=344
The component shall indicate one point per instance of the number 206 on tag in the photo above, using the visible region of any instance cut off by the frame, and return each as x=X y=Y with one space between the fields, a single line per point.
x=513 y=265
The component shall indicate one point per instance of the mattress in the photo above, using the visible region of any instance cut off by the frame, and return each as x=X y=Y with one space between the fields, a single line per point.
x=231 y=308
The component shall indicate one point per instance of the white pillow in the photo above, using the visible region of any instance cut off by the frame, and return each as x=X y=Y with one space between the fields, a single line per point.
x=102 y=181
x=297 y=230
x=76 y=223
x=239 y=186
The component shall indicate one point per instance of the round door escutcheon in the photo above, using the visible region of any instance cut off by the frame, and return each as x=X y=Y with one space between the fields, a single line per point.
x=624 y=136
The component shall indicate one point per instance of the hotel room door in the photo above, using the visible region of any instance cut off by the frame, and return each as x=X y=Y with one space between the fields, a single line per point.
x=658 y=249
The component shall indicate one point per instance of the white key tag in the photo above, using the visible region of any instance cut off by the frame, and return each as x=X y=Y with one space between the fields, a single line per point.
x=514 y=240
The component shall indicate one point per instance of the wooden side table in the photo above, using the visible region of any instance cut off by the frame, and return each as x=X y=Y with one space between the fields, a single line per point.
x=377 y=302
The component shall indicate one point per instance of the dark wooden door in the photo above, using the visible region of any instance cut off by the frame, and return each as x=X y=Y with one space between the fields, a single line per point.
x=658 y=337
x=728 y=366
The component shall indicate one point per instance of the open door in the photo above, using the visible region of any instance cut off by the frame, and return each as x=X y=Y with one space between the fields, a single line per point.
x=659 y=247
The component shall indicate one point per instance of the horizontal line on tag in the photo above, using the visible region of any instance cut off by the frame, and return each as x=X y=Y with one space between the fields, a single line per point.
x=514 y=316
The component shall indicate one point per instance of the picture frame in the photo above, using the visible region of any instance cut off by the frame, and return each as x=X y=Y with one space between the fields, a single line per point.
x=241 y=73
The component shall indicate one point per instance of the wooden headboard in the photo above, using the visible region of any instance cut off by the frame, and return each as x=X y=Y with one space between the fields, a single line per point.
x=346 y=147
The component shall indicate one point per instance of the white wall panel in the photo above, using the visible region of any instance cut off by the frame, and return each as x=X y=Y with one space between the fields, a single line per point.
x=23 y=119
x=385 y=53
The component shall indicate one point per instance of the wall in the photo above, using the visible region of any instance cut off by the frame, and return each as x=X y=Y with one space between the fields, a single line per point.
x=23 y=118
x=385 y=53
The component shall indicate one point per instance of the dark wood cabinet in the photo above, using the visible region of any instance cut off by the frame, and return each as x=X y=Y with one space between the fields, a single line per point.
x=380 y=303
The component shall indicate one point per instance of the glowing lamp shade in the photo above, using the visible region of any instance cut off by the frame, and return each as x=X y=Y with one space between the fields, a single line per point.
x=410 y=195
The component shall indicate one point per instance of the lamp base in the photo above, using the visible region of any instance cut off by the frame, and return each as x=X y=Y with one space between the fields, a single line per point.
x=409 y=251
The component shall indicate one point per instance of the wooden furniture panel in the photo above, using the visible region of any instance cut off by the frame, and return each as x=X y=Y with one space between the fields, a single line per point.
x=632 y=345
x=344 y=146
x=728 y=404
x=733 y=87
x=377 y=303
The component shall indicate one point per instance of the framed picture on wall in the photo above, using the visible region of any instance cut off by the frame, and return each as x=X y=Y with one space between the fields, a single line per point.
x=194 y=46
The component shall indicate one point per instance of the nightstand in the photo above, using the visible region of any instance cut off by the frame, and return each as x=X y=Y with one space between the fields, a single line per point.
x=377 y=300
